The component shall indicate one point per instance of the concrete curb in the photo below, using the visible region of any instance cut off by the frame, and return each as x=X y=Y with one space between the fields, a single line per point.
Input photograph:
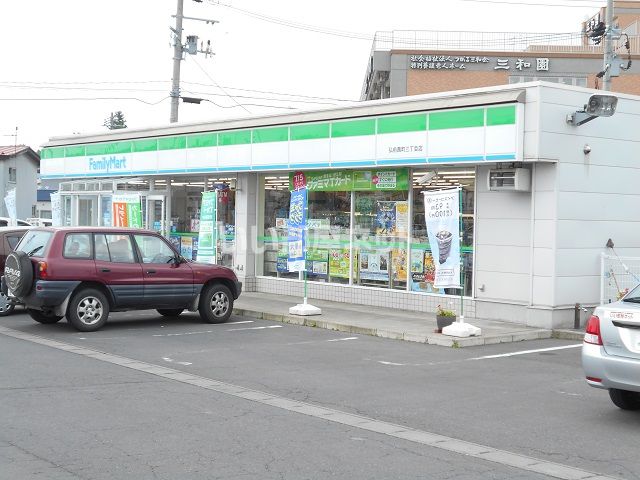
x=430 y=339
x=566 y=334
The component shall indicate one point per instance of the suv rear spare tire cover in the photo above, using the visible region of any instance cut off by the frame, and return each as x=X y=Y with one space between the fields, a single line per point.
x=18 y=273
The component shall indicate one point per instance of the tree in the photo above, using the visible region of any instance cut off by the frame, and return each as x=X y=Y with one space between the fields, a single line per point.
x=115 y=120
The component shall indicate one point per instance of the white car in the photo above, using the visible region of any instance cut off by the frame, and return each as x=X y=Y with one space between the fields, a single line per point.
x=611 y=350
x=6 y=222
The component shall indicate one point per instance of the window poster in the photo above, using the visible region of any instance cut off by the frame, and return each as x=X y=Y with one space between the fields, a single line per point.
x=423 y=271
x=392 y=218
x=339 y=262
x=374 y=264
x=399 y=264
x=186 y=247
x=317 y=262
x=127 y=211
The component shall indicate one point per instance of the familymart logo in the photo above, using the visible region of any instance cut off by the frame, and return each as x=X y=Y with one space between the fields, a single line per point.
x=107 y=164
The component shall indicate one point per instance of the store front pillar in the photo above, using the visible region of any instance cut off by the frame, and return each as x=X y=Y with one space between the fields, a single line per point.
x=246 y=229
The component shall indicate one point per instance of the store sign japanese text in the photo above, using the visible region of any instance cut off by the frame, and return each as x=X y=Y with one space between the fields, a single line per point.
x=359 y=180
x=459 y=62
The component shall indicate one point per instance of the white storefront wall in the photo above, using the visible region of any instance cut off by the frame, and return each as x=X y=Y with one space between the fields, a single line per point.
x=536 y=252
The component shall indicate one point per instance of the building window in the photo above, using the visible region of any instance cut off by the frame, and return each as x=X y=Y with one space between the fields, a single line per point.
x=12 y=174
x=368 y=229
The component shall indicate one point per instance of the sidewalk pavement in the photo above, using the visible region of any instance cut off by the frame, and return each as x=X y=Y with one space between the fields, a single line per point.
x=388 y=323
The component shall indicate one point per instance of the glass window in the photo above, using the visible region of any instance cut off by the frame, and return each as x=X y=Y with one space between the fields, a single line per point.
x=120 y=248
x=422 y=264
x=77 y=245
x=13 y=240
x=380 y=238
x=12 y=174
x=276 y=213
x=328 y=225
x=154 y=249
x=34 y=243
x=100 y=248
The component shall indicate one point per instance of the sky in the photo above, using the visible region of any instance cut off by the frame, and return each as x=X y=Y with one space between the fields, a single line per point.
x=67 y=64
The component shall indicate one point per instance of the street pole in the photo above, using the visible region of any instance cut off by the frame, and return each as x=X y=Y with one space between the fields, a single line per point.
x=177 y=58
x=608 y=47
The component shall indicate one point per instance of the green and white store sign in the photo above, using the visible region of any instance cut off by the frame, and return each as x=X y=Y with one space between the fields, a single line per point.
x=491 y=133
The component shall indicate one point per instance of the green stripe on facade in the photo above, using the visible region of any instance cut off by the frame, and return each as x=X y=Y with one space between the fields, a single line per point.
x=172 y=143
x=240 y=137
x=404 y=123
x=501 y=115
x=353 y=128
x=150 y=145
x=310 y=132
x=108 y=148
x=266 y=135
x=77 y=151
x=456 y=119
x=204 y=140
x=53 y=152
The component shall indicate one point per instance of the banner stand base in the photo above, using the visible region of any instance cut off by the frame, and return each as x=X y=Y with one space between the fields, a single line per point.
x=461 y=329
x=305 y=309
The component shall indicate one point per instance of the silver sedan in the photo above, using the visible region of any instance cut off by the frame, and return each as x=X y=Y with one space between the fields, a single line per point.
x=611 y=350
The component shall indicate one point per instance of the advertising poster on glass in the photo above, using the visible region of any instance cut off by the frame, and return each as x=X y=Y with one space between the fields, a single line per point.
x=392 y=218
x=126 y=210
x=374 y=264
x=442 y=213
x=207 y=234
x=296 y=231
x=317 y=262
x=339 y=262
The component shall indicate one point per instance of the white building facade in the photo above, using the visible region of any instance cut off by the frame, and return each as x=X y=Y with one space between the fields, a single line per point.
x=537 y=210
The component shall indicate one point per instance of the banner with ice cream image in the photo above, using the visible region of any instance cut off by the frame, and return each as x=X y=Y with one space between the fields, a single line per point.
x=442 y=213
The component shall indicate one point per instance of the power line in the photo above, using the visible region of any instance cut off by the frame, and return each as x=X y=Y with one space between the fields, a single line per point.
x=505 y=2
x=82 y=98
x=214 y=82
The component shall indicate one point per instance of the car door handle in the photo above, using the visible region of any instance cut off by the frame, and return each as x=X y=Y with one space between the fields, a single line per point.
x=151 y=271
x=106 y=270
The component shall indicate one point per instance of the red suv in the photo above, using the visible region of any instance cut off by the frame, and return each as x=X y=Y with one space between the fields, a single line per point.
x=85 y=273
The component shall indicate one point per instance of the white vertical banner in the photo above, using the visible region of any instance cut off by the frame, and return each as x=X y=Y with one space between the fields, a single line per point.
x=442 y=214
x=10 y=202
x=56 y=214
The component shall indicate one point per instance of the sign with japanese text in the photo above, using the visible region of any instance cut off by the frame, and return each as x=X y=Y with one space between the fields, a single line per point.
x=126 y=210
x=299 y=180
x=208 y=232
x=442 y=213
x=359 y=180
x=461 y=62
x=374 y=264
x=297 y=230
x=339 y=262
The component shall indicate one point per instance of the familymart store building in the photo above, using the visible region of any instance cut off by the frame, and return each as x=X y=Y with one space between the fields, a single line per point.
x=366 y=168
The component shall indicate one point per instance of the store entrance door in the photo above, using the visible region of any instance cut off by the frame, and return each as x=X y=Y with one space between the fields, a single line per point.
x=156 y=214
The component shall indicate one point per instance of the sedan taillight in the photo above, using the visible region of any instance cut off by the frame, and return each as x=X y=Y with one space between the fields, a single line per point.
x=592 y=333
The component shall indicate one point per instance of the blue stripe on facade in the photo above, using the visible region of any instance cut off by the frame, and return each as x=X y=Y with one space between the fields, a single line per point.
x=470 y=158
x=309 y=165
x=508 y=156
x=353 y=164
x=230 y=169
x=402 y=161
x=269 y=167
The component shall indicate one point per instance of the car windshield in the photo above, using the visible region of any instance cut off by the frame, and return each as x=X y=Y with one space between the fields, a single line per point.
x=633 y=296
x=34 y=243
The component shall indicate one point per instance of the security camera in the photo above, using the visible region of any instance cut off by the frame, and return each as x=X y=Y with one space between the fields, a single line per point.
x=426 y=178
x=586 y=149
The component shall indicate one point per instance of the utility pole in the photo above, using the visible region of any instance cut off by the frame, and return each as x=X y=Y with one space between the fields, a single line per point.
x=608 y=47
x=177 y=58
x=191 y=47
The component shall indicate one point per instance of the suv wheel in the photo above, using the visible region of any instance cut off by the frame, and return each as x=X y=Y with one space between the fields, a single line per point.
x=88 y=310
x=170 y=312
x=43 y=317
x=624 y=399
x=6 y=305
x=216 y=304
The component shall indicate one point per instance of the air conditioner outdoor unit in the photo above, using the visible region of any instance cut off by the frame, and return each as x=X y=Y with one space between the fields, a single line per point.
x=510 y=179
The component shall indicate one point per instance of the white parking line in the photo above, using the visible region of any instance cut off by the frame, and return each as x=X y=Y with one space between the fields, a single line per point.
x=368 y=424
x=254 y=328
x=180 y=334
x=526 y=352
x=239 y=322
x=171 y=360
x=342 y=339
